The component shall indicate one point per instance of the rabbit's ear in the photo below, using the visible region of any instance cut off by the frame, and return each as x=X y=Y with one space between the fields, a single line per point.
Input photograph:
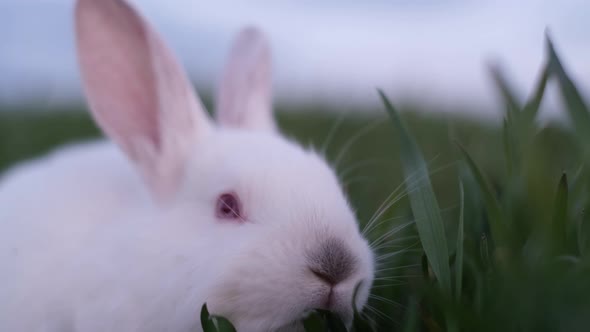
x=138 y=92
x=244 y=99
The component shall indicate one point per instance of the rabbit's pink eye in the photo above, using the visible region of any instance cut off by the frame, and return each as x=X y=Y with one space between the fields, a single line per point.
x=228 y=206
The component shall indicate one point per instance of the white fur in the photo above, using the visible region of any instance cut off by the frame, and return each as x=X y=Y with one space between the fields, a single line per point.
x=85 y=246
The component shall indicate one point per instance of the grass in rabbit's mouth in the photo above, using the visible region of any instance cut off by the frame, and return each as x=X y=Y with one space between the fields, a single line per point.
x=489 y=230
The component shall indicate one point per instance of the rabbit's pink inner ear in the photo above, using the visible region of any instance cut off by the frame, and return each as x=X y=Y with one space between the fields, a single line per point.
x=245 y=93
x=138 y=93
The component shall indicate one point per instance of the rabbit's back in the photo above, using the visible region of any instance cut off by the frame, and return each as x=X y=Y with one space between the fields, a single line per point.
x=71 y=186
x=51 y=208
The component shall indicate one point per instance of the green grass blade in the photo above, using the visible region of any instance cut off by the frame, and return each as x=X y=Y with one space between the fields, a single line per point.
x=332 y=320
x=314 y=323
x=583 y=233
x=576 y=107
x=519 y=126
x=512 y=161
x=206 y=322
x=426 y=271
x=423 y=202
x=223 y=325
x=459 y=250
x=559 y=222
x=484 y=252
x=360 y=324
x=490 y=200
x=531 y=108
x=513 y=106
x=411 y=324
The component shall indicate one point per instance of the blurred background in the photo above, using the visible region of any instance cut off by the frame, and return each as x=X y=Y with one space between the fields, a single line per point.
x=430 y=53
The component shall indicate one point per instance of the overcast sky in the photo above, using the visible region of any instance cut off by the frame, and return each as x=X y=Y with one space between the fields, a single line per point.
x=337 y=52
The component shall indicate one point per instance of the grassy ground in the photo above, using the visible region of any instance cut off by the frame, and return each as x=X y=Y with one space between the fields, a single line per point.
x=519 y=263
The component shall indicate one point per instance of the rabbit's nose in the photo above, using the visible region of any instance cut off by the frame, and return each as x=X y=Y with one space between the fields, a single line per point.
x=332 y=262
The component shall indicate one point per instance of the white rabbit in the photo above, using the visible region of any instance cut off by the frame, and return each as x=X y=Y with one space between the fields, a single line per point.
x=179 y=211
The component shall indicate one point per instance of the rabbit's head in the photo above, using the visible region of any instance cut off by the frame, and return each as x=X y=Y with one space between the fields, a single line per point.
x=285 y=240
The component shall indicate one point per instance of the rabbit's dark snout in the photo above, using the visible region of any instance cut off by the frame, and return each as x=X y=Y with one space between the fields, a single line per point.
x=332 y=262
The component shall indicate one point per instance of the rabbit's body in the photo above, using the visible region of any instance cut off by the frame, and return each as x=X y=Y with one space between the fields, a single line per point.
x=137 y=235
x=97 y=262
x=54 y=249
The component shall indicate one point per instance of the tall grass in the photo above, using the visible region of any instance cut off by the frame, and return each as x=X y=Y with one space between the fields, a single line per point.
x=526 y=268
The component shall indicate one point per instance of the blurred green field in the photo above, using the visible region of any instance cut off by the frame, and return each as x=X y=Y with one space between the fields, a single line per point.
x=369 y=162
x=364 y=145
x=523 y=264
